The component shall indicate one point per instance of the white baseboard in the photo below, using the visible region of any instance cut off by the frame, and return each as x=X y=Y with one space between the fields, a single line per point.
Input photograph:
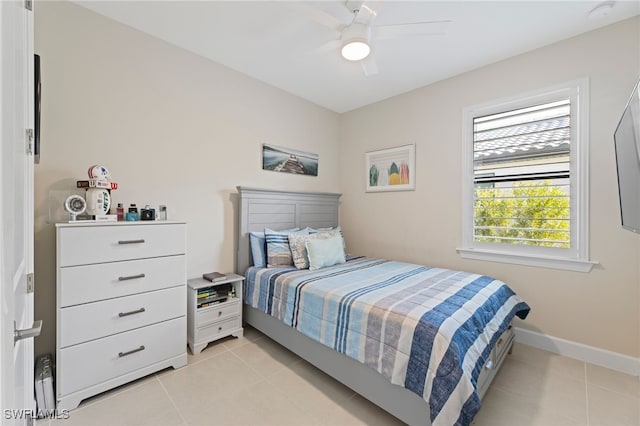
x=615 y=361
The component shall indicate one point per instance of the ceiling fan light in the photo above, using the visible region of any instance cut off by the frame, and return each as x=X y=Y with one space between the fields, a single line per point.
x=355 y=50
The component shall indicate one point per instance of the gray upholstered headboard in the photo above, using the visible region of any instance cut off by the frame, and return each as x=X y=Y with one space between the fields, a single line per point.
x=263 y=208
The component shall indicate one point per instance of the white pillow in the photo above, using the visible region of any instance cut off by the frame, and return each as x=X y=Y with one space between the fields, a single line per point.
x=325 y=252
x=298 y=246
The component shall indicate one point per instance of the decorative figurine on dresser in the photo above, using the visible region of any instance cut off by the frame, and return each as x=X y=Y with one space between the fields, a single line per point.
x=121 y=304
x=97 y=197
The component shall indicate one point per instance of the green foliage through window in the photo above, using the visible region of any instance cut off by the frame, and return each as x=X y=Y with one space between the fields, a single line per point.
x=531 y=213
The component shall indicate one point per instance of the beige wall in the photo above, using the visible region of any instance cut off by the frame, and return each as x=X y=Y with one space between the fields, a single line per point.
x=600 y=308
x=173 y=128
x=176 y=129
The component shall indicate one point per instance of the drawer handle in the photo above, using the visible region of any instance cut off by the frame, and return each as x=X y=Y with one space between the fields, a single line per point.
x=219 y=328
x=131 y=241
x=132 y=351
x=219 y=313
x=137 y=311
x=131 y=277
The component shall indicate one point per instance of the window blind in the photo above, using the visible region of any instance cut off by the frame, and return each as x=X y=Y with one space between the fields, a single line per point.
x=522 y=176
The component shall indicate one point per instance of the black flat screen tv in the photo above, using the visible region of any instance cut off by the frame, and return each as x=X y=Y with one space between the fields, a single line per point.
x=627 y=145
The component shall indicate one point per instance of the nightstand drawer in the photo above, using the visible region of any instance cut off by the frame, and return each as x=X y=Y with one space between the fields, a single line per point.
x=89 y=283
x=83 y=245
x=219 y=329
x=91 y=321
x=218 y=312
x=94 y=362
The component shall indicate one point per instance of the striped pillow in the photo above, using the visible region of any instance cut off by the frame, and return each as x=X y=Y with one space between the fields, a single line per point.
x=258 y=244
x=278 y=251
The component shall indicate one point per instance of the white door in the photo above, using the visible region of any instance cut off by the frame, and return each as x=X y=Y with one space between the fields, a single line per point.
x=16 y=211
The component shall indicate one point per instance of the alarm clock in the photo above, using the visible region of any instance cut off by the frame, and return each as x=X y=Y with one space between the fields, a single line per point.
x=75 y=205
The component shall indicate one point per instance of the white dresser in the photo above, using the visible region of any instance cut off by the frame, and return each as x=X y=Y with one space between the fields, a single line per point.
x=121 y=304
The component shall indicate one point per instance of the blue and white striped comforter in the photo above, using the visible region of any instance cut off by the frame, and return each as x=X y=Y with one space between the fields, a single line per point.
x=429 y=330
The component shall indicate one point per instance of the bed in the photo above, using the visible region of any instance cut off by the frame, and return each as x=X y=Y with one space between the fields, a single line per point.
x=423 y=343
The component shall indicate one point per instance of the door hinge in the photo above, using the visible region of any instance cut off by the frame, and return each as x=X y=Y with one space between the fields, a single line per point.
x=30 y=137
x=30 y=283
x=28 y=4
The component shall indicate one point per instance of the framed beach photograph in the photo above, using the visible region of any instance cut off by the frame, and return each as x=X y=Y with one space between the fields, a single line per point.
x=286 y=160
x=391 y=169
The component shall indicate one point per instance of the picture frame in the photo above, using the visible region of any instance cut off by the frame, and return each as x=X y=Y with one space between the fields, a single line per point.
x=391 y=169
x=287 y=160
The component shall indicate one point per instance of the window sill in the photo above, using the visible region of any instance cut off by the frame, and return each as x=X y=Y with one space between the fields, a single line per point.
x=575 y=265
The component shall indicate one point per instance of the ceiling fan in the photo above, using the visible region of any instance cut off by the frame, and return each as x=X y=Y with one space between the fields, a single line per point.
x=356 y=37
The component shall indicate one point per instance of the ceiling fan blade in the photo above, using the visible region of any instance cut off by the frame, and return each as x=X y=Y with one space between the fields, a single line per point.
x=408 y=30
x=315 y=14
x=330 y=46
x=369 y=66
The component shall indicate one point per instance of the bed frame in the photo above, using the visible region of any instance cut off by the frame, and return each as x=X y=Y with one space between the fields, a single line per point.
x=259 y=209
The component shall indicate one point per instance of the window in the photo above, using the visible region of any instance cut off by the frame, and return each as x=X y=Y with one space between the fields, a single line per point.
x=525 y=187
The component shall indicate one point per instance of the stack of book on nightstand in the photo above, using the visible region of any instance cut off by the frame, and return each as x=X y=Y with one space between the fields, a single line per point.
x=209 y=296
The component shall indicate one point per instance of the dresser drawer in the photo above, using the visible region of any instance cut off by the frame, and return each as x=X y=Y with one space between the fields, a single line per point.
x=94 y=362
x=82 y=245
x=218 y=329
x=88 y=283
x=218 y=312
x=91 y=321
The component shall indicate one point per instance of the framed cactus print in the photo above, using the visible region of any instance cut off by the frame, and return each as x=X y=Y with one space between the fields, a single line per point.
x=391 y=169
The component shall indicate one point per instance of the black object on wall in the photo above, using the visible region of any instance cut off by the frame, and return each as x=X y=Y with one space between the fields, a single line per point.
x=37 y=108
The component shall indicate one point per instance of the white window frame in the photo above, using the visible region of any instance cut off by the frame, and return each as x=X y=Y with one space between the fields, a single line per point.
x=574 y=258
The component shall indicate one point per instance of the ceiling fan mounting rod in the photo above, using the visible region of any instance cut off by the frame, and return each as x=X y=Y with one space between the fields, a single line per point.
x=353 y=5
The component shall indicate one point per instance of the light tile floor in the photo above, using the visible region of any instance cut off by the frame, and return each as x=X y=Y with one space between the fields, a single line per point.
x=254 y=381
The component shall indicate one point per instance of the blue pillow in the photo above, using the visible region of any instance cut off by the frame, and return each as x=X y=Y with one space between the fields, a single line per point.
x=278 y=251
x=258 y=244
x=325 y=252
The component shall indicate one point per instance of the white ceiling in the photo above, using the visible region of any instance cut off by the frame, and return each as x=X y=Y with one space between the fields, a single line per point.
x=279 y=44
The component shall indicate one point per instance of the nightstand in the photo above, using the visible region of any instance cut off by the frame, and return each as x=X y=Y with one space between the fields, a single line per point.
x=214 y=310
